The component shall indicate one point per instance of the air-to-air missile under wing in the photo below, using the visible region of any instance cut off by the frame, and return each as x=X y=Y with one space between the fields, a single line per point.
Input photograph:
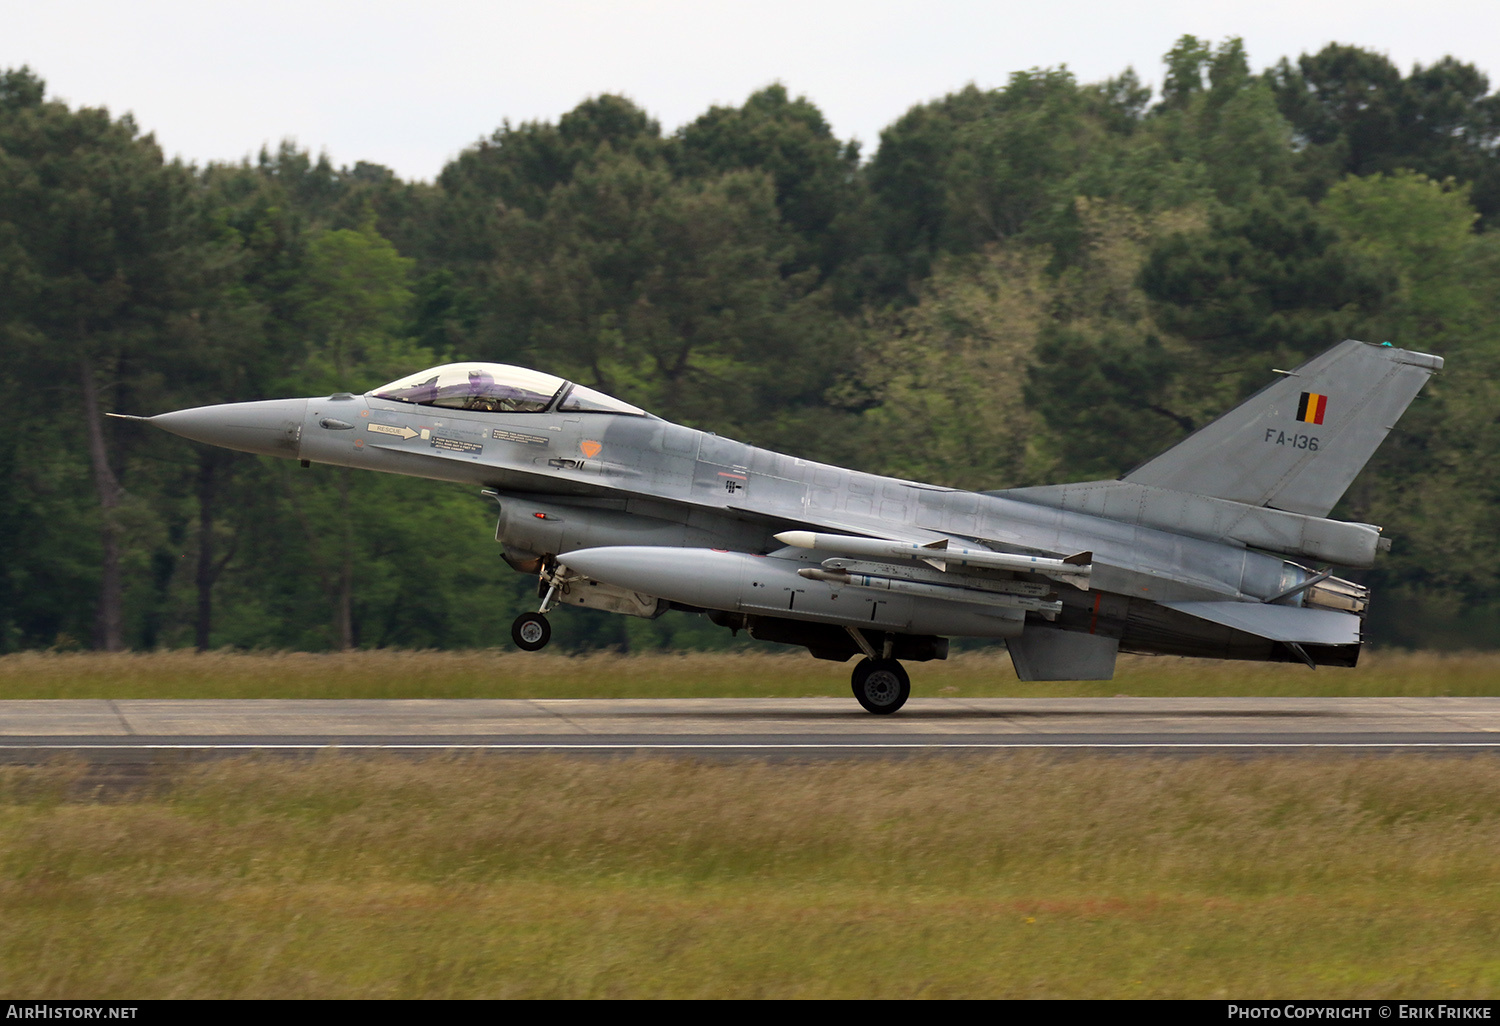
x=1194 y=553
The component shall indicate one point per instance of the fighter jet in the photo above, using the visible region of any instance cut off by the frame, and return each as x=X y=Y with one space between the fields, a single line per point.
x=1219 y=547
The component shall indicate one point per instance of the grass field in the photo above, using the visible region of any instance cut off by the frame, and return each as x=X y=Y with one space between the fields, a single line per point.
x=539 y=876
x=1011 y=876
x=511 y=674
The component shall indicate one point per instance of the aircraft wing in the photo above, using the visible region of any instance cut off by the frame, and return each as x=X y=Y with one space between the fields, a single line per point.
x=1278 y=623
x=543 y=488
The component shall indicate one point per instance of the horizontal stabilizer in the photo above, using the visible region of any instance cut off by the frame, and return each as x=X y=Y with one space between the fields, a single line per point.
x=1275 y=530
x=1278 y=623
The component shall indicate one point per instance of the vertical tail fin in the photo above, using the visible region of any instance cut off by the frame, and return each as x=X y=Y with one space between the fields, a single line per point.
x=1298 y=444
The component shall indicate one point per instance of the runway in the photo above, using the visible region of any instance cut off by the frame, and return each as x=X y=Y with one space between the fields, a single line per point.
x=147 y=730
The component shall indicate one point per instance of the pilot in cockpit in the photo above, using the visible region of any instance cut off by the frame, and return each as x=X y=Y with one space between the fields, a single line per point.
x=482 y=393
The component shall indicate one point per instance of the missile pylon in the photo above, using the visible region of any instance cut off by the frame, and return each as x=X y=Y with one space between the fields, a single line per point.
x=949 y=593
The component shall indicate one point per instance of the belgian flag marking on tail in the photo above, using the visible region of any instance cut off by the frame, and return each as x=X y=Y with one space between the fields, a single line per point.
x=1312 y=407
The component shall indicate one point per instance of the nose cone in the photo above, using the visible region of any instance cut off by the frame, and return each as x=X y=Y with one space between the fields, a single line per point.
x=270 y=428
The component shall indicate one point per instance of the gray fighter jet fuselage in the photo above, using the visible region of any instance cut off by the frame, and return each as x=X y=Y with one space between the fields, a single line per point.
x=1202 y=551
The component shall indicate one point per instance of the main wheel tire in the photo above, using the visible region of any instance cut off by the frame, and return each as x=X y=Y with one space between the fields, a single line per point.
x=880 y=685
x=531 y=632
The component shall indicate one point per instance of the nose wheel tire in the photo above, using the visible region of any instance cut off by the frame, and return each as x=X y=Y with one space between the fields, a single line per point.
x=531 y=632
x=880 y=685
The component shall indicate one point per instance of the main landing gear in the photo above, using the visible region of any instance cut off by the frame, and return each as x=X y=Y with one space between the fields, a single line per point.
x=879 y=682
x=880 y=685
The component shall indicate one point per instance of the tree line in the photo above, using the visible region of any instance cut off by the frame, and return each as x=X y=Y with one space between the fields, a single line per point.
x=1047 y=281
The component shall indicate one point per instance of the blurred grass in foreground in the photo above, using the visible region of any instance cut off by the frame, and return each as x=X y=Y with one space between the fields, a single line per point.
x=511 y=674
x=1009 y=876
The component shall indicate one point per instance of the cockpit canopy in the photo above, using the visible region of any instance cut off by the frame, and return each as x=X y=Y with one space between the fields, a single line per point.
x=499 y=388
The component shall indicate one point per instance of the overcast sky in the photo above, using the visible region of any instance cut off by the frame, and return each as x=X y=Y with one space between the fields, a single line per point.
x=410 y=84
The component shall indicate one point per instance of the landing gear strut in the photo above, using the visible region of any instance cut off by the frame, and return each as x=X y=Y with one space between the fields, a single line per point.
x=880 y=685
x=531 y=631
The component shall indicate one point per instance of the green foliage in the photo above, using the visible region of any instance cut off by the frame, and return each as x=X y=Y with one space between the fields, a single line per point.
x=1434 y=483
x=978 y=168
x=1215 y=116
x=536 y=876
x=354 y=298
x=814 y=174
x=1354 y=114
x=669 y=293
x=101 y=265
x=1268 y=277
x=1106 y=398
x=1422 y=233
x=1048 y=281
x=945 y=375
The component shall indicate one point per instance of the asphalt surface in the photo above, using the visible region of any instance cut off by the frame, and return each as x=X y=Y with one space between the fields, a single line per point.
x=146 y=730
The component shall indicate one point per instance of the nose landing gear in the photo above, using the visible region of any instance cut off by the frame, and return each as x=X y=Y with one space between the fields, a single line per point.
x=531 y=631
